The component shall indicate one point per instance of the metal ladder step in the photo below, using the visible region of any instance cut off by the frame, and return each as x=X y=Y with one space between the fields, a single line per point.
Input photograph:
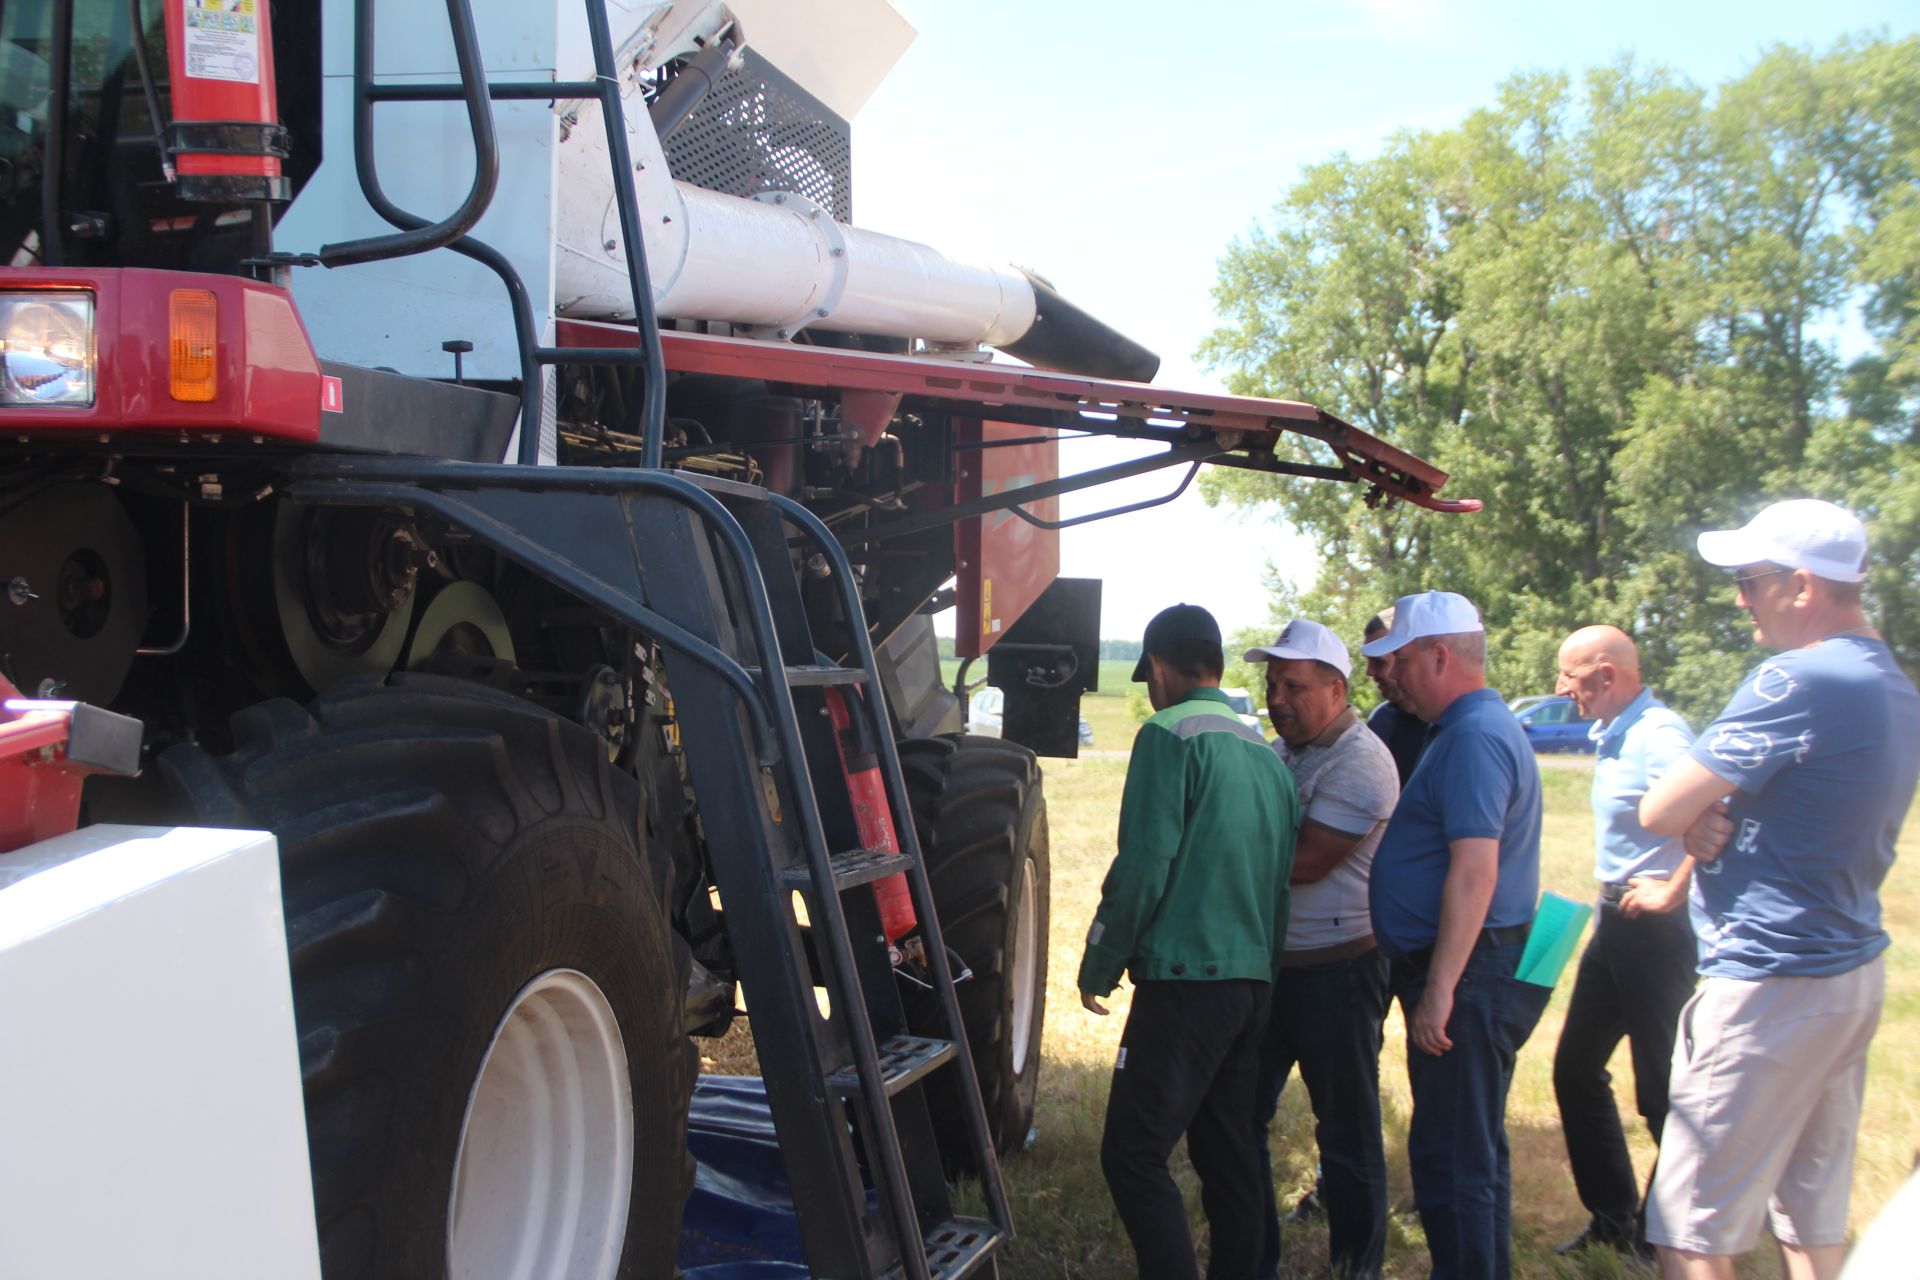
x=814 y=677
x=903 y=1060
x=957 y=1248
x=854 y=867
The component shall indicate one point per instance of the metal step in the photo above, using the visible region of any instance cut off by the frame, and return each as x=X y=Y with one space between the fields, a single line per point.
x=903 y=1060
x=811 y=677
x=854 y=867
x=956 y=1248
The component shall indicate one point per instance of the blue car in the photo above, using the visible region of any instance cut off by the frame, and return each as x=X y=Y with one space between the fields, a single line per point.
x=1554 y=724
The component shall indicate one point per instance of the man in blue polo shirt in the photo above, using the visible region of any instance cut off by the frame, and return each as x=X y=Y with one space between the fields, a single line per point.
x=1453 y=891
x=1809 y=770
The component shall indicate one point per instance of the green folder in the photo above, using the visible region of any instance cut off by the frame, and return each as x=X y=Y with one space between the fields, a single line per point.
x=1557 y=927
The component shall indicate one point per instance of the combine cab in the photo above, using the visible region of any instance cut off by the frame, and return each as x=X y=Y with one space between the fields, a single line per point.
x=480 y=448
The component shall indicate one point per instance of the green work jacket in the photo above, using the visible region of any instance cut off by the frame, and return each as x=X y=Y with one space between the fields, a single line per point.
x=1199 y=888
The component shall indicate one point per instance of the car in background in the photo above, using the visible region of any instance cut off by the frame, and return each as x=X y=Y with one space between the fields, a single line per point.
x=1517 y=705
x=984 y=711
x=1242 y=703
x=1553 y=723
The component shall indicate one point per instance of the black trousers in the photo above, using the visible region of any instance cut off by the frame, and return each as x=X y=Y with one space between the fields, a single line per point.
x=1634 y=978
x=1188 y=1060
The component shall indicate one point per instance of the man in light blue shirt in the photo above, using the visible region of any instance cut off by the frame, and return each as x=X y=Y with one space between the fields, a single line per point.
x=1791 y=800
x=1637 y=971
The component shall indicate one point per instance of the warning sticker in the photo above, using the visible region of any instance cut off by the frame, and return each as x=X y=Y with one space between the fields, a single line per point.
x=223 y=40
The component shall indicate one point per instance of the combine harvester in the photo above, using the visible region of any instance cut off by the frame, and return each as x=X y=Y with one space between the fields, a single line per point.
x=468 y=574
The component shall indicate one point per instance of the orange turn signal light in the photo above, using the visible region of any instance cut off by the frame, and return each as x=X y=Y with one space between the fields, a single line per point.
x=192 y=344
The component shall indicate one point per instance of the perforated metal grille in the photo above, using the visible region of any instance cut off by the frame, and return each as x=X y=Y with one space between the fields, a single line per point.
x=759 y=131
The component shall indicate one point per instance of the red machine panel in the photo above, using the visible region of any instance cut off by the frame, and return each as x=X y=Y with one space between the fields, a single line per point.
x=1002 y=563
x=266 y=376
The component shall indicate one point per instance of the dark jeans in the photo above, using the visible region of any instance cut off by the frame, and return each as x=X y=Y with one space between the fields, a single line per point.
x=1188 y=1060
x=1457 y=1141
x=1634 y=978
x=1326 y=1019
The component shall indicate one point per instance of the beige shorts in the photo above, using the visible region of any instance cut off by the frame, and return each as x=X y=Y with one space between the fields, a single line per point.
x=1763 y=1103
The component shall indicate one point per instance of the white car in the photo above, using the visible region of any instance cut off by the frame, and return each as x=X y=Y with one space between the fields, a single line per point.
x=983 y=716
x=1242 y=703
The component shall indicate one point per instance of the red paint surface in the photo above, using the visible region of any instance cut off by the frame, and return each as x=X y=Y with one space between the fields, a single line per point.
x=268 y=382
x=1002 y=564
x=39 y=790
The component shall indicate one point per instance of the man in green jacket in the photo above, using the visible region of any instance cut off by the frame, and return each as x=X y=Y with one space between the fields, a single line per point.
x=1195 y=908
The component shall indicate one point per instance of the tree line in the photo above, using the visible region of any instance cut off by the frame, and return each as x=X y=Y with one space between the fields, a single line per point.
x=1619 y=309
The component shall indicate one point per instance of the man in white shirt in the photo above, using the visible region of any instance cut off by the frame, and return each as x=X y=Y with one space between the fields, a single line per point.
x=1331 y=996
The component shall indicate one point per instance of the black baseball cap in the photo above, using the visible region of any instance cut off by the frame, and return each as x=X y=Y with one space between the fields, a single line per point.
x=1169 y=627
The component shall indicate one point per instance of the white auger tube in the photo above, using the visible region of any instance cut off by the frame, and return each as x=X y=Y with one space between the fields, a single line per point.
x=778 y=264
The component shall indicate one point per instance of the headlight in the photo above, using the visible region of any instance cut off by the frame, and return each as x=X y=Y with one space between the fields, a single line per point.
x=46 y=348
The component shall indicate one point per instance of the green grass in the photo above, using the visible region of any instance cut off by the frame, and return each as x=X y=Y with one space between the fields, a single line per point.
x=1065 y=1219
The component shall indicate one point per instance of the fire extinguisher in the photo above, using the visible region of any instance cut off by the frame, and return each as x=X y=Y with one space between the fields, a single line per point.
x=225 y=139
x=873 y=817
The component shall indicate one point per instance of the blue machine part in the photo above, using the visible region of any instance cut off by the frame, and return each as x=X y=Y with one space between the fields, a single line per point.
x=740 y=1223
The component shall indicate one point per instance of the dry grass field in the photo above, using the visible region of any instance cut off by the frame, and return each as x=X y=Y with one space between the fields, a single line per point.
x=1065 y=1221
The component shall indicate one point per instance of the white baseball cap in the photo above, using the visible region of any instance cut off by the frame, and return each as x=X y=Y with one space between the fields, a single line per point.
x=1431 y=613
x=1802 y=533
x=1303 y=639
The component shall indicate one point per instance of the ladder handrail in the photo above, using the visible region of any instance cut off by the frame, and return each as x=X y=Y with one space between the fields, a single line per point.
x=817 y=531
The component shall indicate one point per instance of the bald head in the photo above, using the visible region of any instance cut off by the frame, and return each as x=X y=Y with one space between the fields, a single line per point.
x=1599 y=670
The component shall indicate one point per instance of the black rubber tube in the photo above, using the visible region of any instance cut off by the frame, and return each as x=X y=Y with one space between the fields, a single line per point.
x=1066 y=338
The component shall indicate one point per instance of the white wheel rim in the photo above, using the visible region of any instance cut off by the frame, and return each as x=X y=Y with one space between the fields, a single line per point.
x=1026 y=966
x=545 y=1169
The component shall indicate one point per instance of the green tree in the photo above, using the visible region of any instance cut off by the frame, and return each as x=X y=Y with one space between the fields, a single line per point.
x=1608 y=310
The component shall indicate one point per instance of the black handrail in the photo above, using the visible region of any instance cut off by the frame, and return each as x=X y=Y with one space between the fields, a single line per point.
x=419 y=234
x=486 y=146
x=53 y=154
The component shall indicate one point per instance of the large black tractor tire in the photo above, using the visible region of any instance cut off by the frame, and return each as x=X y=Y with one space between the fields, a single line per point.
x=982 y=821
x=443 y=846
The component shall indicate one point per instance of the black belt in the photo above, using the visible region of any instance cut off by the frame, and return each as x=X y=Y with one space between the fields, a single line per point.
x=1503 y=937
x=1613 y=892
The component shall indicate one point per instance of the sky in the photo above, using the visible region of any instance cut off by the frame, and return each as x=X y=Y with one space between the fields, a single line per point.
x=1119 y=147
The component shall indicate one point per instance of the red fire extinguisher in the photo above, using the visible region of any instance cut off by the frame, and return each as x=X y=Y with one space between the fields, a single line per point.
x=225 y=139
x=872 y=815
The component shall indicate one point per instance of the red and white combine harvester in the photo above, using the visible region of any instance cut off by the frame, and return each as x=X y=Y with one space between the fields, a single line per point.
x=472 y=505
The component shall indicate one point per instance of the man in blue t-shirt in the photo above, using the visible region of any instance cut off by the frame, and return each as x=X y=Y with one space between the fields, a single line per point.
x=1791 y=801
x=1452 y=894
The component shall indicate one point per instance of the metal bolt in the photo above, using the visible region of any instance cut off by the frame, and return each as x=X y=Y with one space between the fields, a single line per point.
x=838 y=252
x=782 y=334
x=779 y=198
x=20 y=591
x=823 y=313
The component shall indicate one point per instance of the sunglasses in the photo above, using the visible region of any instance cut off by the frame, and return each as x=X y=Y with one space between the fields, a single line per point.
x=1740 y=581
